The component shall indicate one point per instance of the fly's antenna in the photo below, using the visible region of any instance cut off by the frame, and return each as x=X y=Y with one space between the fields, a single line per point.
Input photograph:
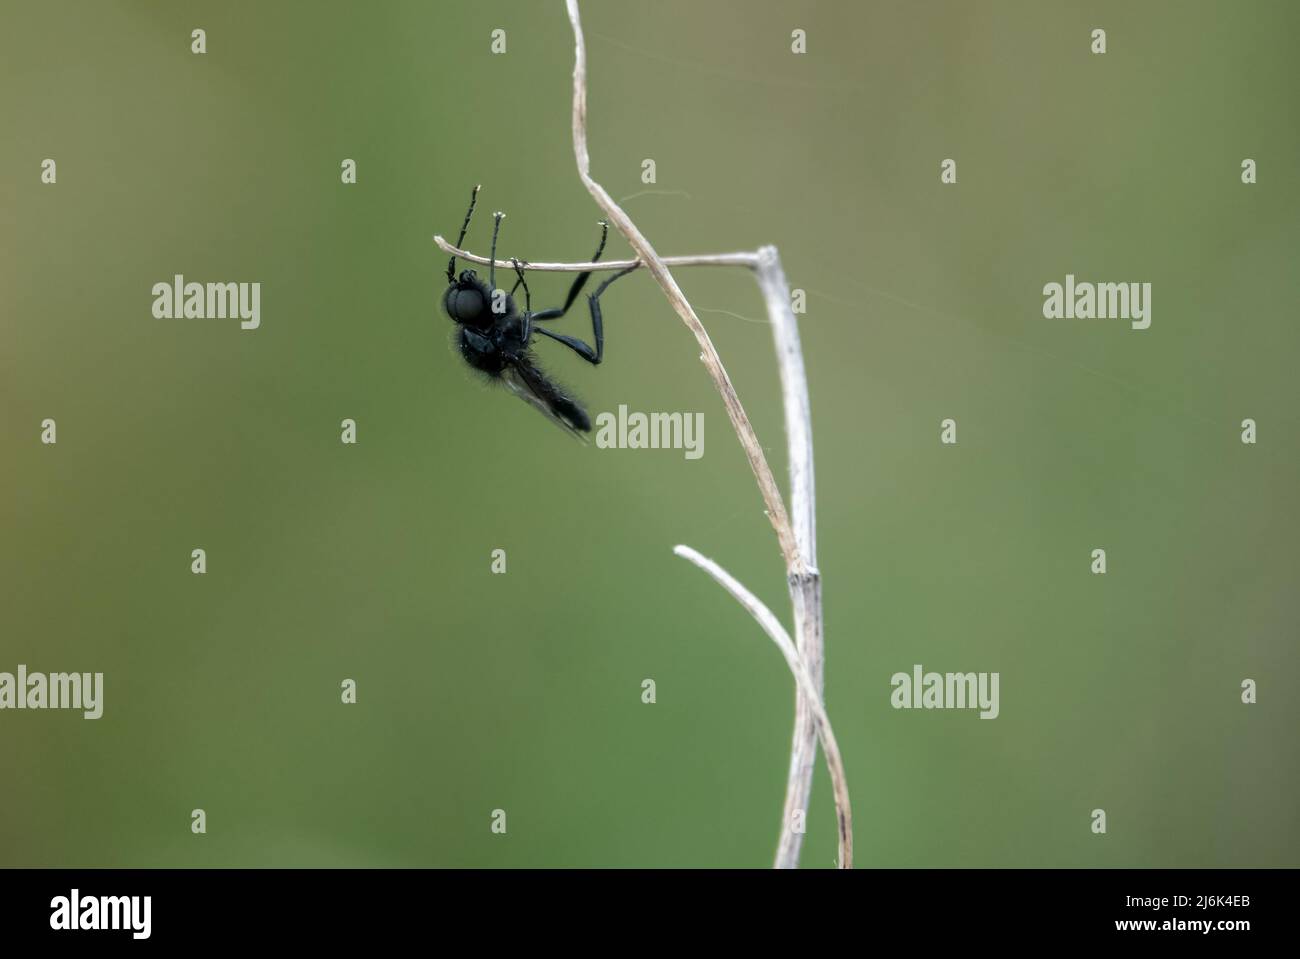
x=464 y=228
x=492 y=269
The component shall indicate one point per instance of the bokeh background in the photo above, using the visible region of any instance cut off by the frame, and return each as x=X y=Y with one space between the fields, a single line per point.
x=522 y=691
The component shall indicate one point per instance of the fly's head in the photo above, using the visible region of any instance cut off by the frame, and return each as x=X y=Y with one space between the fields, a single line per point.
x=468 y=301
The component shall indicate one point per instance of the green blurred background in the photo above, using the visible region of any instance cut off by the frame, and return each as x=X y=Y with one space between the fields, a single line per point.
x=522 y=691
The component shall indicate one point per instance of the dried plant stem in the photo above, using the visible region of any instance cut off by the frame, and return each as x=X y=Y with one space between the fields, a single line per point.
x=798 y=545
x=808 y=685
x=805 y=583
x=705 y=259
x=647 y=255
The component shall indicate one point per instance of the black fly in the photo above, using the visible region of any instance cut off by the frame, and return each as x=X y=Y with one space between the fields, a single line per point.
x=493 y=336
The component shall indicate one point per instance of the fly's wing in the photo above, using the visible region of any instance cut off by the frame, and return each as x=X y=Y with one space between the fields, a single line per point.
x=536 y=389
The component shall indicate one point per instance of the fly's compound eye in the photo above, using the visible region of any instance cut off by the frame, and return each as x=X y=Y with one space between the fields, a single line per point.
x=465 y=304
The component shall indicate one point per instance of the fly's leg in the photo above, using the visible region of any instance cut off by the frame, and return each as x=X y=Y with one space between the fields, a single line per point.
x=592 y=356
x=554 y=313
x=492 y=269
x=464 y=228
x=528 y=298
